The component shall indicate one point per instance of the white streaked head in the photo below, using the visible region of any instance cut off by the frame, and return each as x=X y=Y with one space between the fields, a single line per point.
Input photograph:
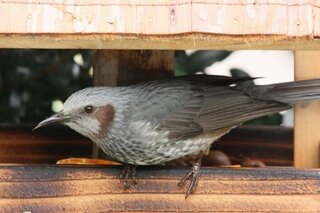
x=90 y=112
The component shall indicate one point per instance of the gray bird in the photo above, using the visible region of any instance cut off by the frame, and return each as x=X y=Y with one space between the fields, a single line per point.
x=159 y=121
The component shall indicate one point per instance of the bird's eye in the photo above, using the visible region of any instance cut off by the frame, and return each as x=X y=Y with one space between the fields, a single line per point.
x=88 y=109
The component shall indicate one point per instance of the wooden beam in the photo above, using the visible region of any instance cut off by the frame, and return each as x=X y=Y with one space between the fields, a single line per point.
x=307 y=115
x=183 y=41
x=19 y=145
x=125 y=67
x=84 y=189
x=167 y=24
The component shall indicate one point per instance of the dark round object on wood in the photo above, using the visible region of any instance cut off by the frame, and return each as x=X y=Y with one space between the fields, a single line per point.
x=216 y=158
x=252 y=163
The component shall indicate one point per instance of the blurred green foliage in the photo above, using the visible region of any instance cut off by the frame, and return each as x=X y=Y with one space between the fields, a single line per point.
x=31 y=79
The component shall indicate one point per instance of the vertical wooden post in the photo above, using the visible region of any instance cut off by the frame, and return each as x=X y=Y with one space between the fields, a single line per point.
x=125 y=67
x=307 y=115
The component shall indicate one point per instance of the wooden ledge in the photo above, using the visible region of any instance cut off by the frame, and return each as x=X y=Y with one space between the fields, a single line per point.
x=192 y=40
x=19 y=145
x=98 y=189
x=166 y=24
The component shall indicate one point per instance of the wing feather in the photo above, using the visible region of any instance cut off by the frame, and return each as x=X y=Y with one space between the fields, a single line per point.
x=211 y=108
x=187 y=108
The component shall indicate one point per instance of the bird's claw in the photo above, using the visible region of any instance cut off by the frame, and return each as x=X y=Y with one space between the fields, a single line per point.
x=193 y=176
x=129 y=171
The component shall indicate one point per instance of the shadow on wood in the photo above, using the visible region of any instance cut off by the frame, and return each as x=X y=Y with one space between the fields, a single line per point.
x=272 y=145
x=97 y=189
x=18 y=144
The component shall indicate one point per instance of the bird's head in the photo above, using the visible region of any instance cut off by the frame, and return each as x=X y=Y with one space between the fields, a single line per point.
x=90 y=112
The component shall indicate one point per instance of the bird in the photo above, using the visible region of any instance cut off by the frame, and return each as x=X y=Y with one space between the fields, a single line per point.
x=155 y=122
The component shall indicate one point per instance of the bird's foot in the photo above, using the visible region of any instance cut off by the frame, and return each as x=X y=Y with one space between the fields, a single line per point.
x=128 y=172
x=193 y=176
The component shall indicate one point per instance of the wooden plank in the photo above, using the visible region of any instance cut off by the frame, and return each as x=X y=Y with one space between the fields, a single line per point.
x=307 y=115
x=19 y=145
x=75 y=189
x=167 y=24
x=119 y=67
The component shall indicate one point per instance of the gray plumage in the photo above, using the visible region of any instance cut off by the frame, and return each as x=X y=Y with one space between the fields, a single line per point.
x=158 y=121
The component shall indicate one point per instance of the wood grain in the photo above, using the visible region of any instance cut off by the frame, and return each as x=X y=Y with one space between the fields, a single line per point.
x=19 y=145
x=167 y=24
x=125 y=67
x=307 y=115
x=98 y=189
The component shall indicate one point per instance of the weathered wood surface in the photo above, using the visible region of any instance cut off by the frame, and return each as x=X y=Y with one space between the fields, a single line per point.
x=167 y=24
x=98 y=189
x=307 y=115
x=126 y=67
x=18 y=144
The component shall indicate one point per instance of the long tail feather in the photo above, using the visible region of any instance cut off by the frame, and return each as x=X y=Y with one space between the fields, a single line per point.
x=289 y=92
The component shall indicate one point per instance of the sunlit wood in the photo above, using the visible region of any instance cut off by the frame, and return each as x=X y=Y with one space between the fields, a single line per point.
x=166 y=24
x=307 y=115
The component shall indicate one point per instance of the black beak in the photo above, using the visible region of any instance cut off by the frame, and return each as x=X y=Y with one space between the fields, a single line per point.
x=56 y=118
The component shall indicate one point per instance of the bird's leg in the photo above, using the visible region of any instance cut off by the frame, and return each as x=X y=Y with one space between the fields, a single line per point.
x=128 y=170
x=193 y=175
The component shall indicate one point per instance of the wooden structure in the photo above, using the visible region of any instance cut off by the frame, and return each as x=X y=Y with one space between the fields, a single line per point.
x=19 y=145
x=167 y=24
x=87 y=189
x=307 y=136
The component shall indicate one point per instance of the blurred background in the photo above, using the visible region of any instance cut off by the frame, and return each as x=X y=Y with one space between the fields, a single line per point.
x=34 y=83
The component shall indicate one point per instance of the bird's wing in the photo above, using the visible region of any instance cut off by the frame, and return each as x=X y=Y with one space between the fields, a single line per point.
x=169 y=105
x=189 y=108
x=181 y=122
x=210 y=108
x=226 y=107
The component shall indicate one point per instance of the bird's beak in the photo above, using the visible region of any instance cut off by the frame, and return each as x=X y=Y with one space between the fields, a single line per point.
x=59 y=117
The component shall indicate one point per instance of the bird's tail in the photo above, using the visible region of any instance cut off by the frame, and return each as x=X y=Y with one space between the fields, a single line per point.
x=289 y=92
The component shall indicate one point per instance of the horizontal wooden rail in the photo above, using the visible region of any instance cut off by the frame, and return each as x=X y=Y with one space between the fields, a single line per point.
x=98 y=189
x=167 y=24
x=18 y=144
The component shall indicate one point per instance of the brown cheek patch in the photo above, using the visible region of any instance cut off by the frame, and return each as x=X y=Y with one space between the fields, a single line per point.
x=105 y=116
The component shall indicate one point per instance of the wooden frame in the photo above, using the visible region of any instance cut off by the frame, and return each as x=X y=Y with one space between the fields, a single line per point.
x=307 y=116
x=19 y=145
x=166 y=24
x=87 y=189
x=177 y=24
